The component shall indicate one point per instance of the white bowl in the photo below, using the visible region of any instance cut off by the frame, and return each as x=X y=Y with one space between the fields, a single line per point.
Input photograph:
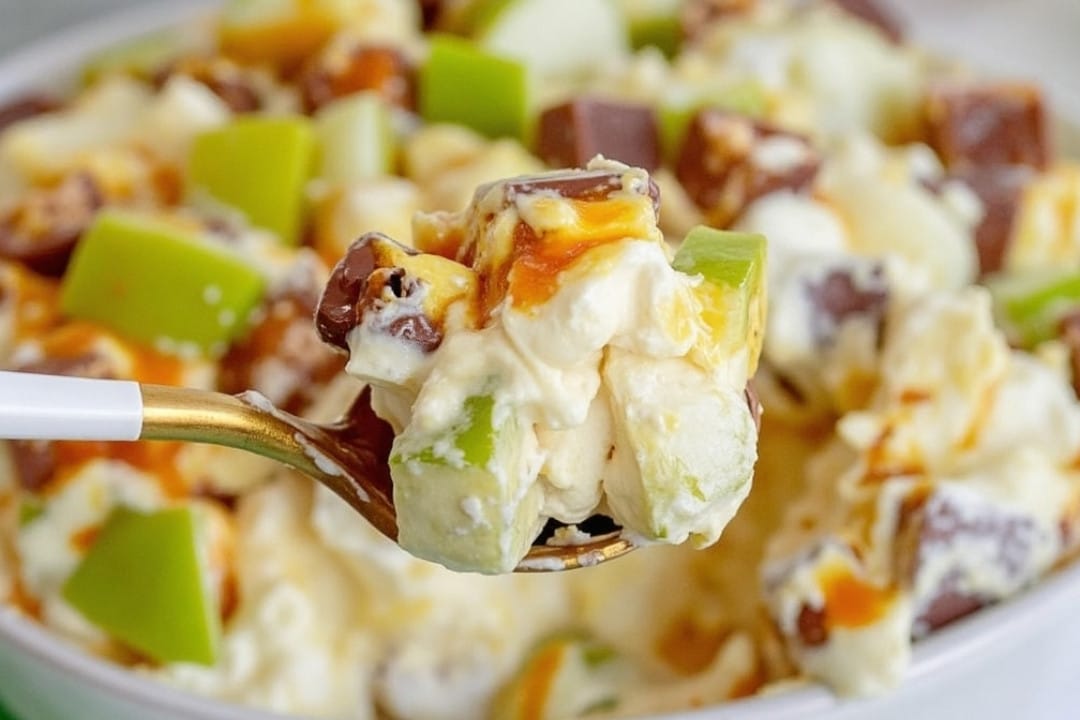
x=1017 y=660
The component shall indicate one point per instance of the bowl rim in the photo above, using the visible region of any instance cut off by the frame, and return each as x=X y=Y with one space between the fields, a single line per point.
x=40 y=64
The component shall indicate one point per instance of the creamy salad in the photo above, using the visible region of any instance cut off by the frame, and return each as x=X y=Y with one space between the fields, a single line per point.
x=543 y=219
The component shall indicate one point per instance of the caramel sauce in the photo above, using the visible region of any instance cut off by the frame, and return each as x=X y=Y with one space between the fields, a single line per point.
x=851 y=602
x=687 y=647
x=286 y=40
x=537 y=683
x=81 y=540
x=37 y=307
x=539 y=259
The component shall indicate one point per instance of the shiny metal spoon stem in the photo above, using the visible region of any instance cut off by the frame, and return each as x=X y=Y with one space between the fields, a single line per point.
x=349 y=456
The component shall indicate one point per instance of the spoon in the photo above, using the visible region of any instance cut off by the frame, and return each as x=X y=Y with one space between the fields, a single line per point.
x=348 y=456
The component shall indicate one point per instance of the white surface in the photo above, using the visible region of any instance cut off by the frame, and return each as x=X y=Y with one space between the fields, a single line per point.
x=1020 y=660
x=53 y=407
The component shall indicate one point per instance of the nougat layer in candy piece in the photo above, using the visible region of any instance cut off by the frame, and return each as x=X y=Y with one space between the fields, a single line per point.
x=571 y=134
x=729 y=160
x=412 y=291
x=523 y=233
x=988 y=124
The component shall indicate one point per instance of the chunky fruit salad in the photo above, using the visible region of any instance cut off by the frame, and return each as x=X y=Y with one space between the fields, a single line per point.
x=528 y=235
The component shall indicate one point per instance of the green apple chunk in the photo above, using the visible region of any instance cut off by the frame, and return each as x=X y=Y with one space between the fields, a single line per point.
x=158 y=284
x=144 y=582
x=466 y=496
x=259 y=166
x=684 y=449
x=675 y=114
x=552 y=37
x=654 y=23
x=462 y=84
x=578 y=675
x=355 y=139
x=733 y=298
x=1029 y=306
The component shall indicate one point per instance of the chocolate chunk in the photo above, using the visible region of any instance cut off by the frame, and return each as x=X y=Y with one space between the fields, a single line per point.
x=978 y=548
x=282 y=357
x=588 y=185
x=42 y=230
x=357 y=285
x=873 y=13
x=571 y=134
x=24 y=108
x=697 y=15
x=988 y=124
x=841 y=296
x=811 y=627
x=338 y=310
x=1069 y=327
x=1000 y=189
x=379 y=69
x=430 y=10
x=730 y=160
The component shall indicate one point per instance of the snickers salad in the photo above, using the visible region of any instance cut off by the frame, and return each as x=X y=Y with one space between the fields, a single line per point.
x=787 y=303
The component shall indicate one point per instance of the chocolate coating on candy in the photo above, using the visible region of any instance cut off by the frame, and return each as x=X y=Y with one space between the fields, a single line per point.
x=571 y=134
x=589 y=185
x=841 y=296
x=729 y=160
x=42 y=230
x=986 y=535
x=356 y=286
x=1000 y=189
x=24 y=108
x=988 y=124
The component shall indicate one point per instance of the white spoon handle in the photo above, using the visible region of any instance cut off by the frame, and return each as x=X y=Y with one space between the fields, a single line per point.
x=54 y=407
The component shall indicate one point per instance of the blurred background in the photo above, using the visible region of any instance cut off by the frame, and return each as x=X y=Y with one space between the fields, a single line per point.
x=1032 y=38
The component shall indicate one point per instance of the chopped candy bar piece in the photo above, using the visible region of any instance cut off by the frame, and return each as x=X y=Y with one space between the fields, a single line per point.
x=728 y=161
x=988 y=124
x=372 y=68
x=839 y=295
x=1000 y=189
x=571 y=134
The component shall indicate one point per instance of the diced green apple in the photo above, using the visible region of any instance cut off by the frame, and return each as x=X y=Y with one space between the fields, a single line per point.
x=466 y=496
x=356 y=140
x=654 y=23
x=563 y=38
x=577 y=674
x=675 y=114
x=462 y=84
x=144 y=582
x=684 y=449
x=733 y=297
x=259 y=166
x=1029 y=306
x=159 y=284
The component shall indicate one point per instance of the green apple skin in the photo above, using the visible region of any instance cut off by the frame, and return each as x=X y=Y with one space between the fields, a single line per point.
x=661 y=32
x=144 y=582
x=734 y=298
x=149 y=281
x=1030 y=306
x=552 y=38
x=259 y=166
x=466 y=496
x=356 y=140
x=462 y=84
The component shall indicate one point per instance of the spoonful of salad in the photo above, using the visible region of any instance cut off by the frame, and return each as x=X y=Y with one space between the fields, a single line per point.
x=540 y=357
